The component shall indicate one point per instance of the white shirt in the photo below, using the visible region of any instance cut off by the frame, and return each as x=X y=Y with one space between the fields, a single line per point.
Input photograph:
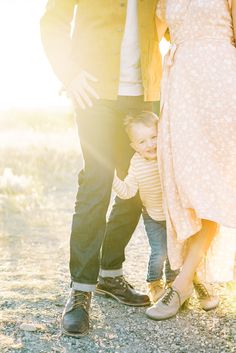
x=130 y=70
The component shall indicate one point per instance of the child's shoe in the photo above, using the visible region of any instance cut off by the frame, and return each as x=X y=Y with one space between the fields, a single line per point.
x=155 y=290
x=207 y=299
x=169 y=284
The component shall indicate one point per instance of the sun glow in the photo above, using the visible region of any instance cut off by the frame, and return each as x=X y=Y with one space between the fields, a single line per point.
x=26 y=80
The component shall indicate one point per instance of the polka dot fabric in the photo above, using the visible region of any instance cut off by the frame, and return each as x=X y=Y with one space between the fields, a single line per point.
x=197 y=132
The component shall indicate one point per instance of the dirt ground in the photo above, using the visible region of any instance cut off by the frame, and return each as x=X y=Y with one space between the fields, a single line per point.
x=38 y=167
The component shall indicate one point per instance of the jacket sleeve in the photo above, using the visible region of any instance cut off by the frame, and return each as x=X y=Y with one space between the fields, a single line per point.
x=55 y=26
x=161 y=25
x=161 y=28
x=127 y=188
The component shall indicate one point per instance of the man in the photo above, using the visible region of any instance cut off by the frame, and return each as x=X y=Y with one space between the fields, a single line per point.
x=106 y=54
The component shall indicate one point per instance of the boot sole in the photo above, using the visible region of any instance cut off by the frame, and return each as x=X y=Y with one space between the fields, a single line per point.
x=183 y=307
x=72 y=334
x=209 y=309
x=160 y=319
x=108 y=294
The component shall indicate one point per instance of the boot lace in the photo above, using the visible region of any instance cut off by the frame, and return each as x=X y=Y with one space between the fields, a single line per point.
x=201 y=290
x=166 y=299
x=80 y=299
x=122 y=281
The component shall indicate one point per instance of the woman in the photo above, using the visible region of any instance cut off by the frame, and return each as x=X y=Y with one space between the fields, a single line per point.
x=197 y=136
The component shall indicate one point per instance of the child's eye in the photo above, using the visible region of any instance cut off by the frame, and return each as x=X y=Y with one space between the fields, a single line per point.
x=141 y=142
x=154 y=137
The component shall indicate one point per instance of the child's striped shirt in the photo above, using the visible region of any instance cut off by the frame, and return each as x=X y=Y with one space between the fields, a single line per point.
x=143 y=176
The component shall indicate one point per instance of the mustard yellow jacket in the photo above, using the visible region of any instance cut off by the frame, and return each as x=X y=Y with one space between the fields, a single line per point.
x=87 y=34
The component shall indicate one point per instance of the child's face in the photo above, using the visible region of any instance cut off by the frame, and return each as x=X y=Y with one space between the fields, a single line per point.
x=144 y=140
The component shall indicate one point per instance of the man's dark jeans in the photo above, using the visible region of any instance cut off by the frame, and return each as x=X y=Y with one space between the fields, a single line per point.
x=105 y=147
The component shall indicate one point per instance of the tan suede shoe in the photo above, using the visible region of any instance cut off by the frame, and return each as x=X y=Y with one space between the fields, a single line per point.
x=207 y=299
x=168 y=305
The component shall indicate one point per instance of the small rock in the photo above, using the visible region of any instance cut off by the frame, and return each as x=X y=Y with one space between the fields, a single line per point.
x=111 y=336
x=28 y=327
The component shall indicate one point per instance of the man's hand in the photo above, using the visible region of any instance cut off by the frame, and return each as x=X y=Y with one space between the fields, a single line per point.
x=81 y=90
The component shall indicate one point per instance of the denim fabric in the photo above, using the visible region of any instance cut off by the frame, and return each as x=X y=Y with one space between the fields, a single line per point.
x=158 y=264
x=105 y=147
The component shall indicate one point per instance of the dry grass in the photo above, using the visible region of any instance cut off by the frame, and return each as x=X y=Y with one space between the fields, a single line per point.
x=40 y=158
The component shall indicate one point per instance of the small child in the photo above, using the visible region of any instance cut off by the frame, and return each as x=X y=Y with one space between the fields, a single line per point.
x=143 y=177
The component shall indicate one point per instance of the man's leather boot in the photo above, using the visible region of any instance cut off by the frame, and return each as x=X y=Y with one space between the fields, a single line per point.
x=119 y=289
x=75 y=318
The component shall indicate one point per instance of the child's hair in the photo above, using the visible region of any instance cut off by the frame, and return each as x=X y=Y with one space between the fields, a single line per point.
x=146 y=118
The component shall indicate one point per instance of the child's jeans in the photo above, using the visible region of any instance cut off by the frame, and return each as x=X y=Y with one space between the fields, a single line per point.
x=158 y=261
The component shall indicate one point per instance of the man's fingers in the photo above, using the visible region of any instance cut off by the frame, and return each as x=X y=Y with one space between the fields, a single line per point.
x=80 y=101
x=89 y=76
x=86 y=98
x=90 y=90
x=82 y=91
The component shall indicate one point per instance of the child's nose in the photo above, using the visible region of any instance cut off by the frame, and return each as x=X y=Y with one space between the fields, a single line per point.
x=150 y=143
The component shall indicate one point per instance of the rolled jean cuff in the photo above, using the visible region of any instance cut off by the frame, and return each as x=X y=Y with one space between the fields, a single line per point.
x=84 y=287
x=111 y=273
